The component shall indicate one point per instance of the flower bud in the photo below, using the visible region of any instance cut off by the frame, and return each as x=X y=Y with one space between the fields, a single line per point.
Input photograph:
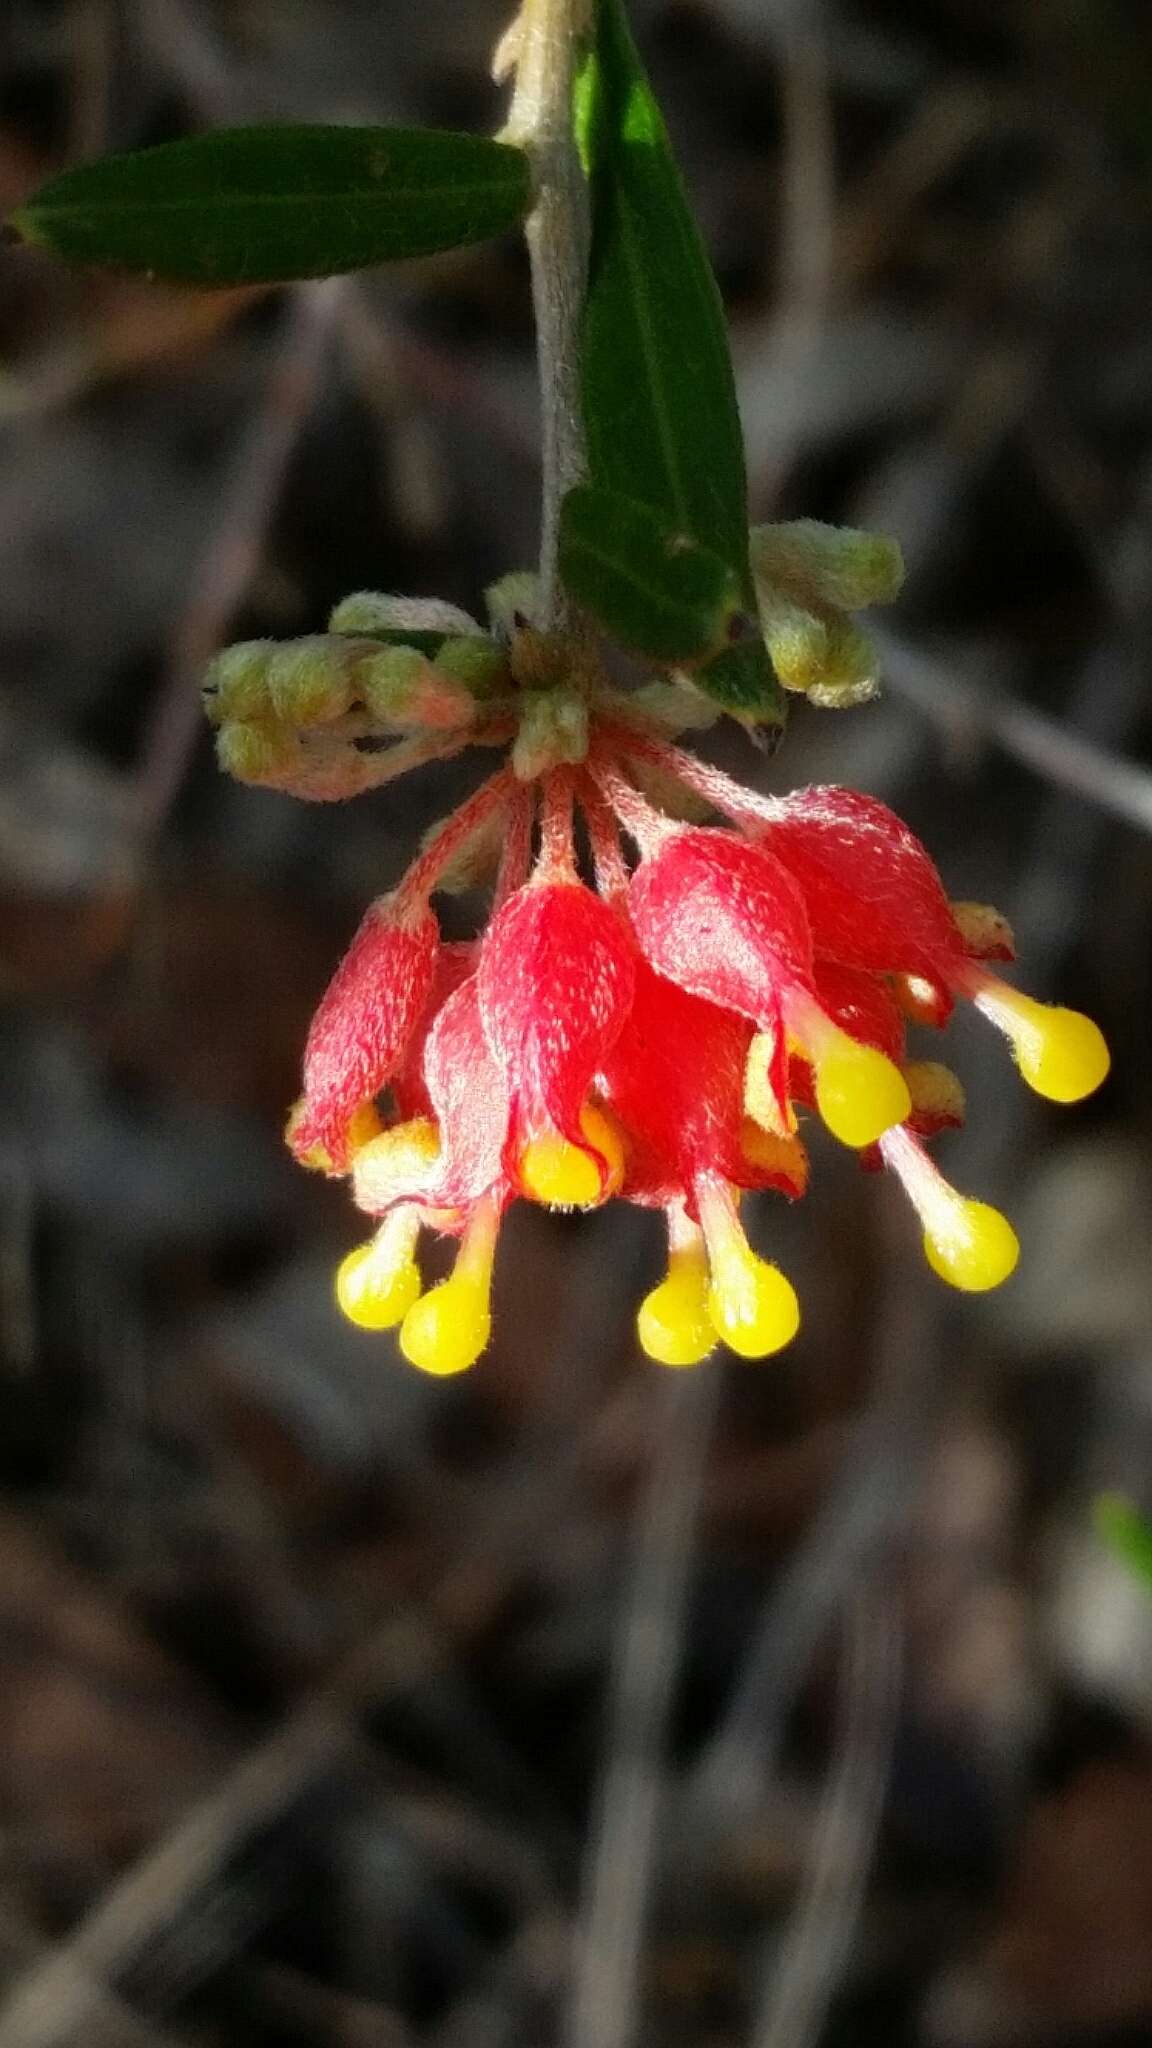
x=403 y=691
x=309 y=680
x=840 y=566
x=236 y=682
x=553 y=731
x=475 y=661
x=513 y=601
x=377 y=611
x=263 y=754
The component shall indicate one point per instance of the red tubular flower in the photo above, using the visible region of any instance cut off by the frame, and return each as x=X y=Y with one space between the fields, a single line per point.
x=725 y=919
x=555 y=986
x=446 y=1169
x=873 y=896
x=653 y=1035
x=675 y=1081
x=363 y=1025
x=455 y=962
x=454 y=1154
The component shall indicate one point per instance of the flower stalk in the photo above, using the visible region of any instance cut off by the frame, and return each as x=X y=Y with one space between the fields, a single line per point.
x=542 y=45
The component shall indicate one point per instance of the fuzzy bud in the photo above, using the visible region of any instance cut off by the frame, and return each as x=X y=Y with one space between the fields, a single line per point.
x=236 y=681
x=377 y=611
x=404 y=692
x=553 y=731
x=309 y=681
x=475 y=661
x=840 y=566
x=514 y=601
x=263 y=753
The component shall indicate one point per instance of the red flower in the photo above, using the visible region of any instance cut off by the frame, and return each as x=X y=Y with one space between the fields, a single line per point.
x=873 y=896
x=675 y=1080
x=656 y=1035
x=555 y=987
x=360 y=1032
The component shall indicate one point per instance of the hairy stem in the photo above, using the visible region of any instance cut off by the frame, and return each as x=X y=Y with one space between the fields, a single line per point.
x=543 y=45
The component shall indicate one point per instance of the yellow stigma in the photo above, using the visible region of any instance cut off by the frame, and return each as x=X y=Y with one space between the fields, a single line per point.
x=971 y=1246
x=754 y=1308
x=860 y=1092
x=447 y=1329
x=673 y=1324
x=563 y=1175
x=1061 y=1053
x=751 y=1304
x=378 y=1284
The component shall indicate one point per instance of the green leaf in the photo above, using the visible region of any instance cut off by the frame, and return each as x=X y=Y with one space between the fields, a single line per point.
x=1126 y=1533
x=262 y=205
x=660 y=410
x=654 y=588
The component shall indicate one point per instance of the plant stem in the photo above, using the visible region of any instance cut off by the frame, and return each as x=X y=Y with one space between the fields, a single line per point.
x=540 y=119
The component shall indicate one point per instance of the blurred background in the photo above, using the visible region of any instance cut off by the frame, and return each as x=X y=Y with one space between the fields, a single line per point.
x=574 y=1703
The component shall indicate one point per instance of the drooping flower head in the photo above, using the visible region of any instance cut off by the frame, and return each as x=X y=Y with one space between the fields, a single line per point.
x=656 y=1004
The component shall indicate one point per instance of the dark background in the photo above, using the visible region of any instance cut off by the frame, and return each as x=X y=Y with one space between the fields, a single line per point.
x=306 y=1728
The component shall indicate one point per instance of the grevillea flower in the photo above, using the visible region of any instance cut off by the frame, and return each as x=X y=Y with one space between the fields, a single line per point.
x=654 y=1009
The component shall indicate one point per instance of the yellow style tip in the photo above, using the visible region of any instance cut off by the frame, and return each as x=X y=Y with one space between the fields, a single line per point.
x=673 y=1323
x=447 y=1329
x=860 y=1092
x=375 y=1293
x=975 y=1249
x=562 y=1175
x=754 y=1308
x=1062 y=1054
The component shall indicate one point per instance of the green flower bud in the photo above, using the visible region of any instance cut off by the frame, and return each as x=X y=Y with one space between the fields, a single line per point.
x=849 y=675
x=377 y=611
x=402 y=691
x=797 y=640
x=677 y=706
x=236 y=681
x=839 y=566
x=553 y=729
x=260 y=753
x=476 y=662
x=514 y=599
x=309 y=681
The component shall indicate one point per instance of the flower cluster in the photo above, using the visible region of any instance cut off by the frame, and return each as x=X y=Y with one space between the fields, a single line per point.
x=657 y=1003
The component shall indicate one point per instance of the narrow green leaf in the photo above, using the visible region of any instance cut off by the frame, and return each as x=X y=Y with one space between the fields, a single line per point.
x=654 y=589
x=659 y=399
x=1126 y=1533
x=262 y=205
